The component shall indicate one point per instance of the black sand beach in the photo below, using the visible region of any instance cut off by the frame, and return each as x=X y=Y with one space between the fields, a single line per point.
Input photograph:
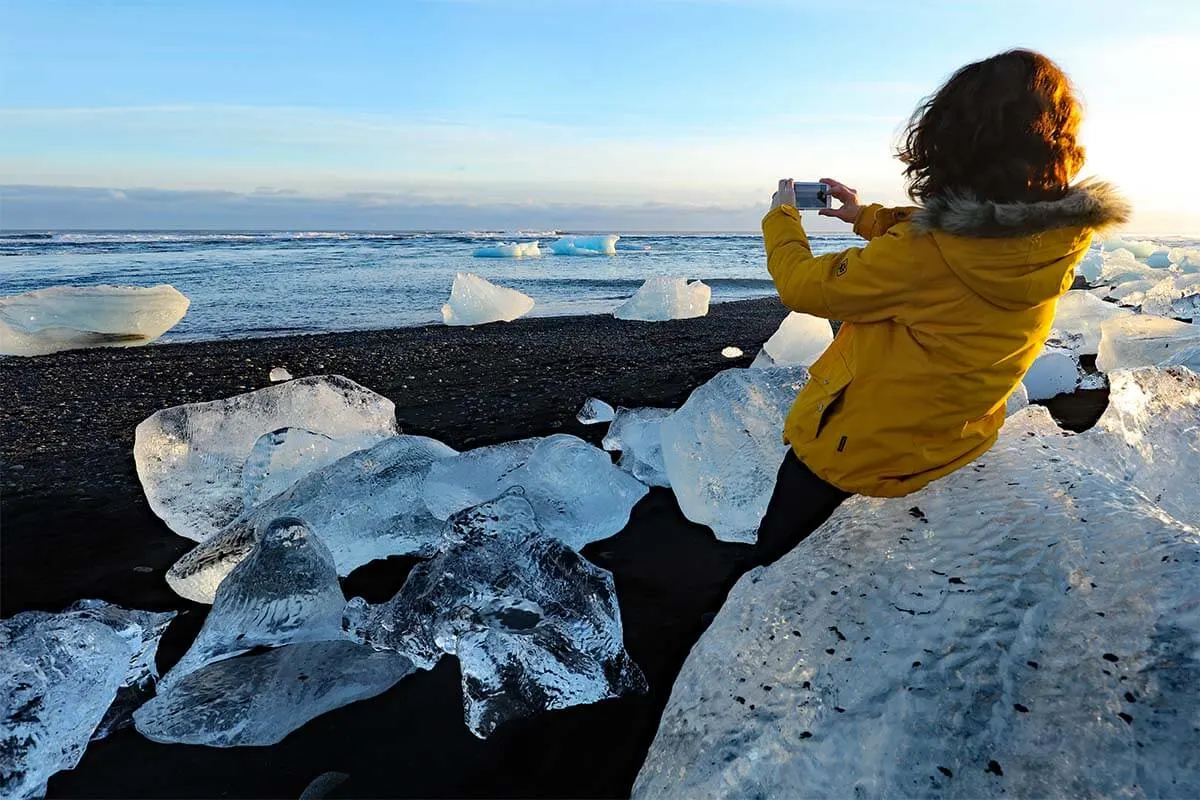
x=75 y=525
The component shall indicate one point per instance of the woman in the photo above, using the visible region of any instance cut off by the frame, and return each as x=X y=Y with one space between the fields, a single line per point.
x=949 y=302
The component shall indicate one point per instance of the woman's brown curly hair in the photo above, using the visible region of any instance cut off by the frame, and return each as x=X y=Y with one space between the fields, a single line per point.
x=1003 y=129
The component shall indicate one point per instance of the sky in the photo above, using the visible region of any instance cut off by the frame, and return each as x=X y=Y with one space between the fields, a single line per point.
x=572 y=114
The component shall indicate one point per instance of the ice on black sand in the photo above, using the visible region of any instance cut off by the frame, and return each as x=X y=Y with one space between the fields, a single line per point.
x=476 y=301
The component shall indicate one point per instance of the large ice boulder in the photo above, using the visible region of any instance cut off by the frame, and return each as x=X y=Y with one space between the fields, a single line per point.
x=723 y=447
x=365 y=506
x=534 y=625
x=508 y=250
x=1142 y=340
x=69 y=317
x=1024 y=627
x=661 y=299
x=1080 y=313
x=637 y=434
x=604 y=245
x=191 y=458
x=285 y=599
x=1056 y=371
x=799 y=341
x=476 y=301
x=68 y=678
x=579 y=496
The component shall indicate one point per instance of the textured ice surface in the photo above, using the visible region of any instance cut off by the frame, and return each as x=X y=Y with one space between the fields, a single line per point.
x=1054 y=372
x=1024 y=627
x=1177 y=296
x=1017 y=400
x=1131 y=293
x=661 y=299
x=579 y=496
x=285 y=595
x=67 y=678
x=67 y=317
x=1081 y=313
x=595 y=411
x=259 y=698
x=799 y=341
x=637 y=434
x=1186 y=357
x=1184 y=259
x=190 y=457
x=475 y=301
x=1090 y=266
x=279 y=374
x=534 y=625
x=723 y=447
x=732 y=352
x=284 y=592
x=605 y=245
x=1120 y=267
x=366 y=506
x=509 y=250
x=1138 y=248
x=1142 y=340
x=280 y=458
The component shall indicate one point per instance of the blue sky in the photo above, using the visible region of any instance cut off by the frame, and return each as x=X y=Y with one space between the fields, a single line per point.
x=555 y=110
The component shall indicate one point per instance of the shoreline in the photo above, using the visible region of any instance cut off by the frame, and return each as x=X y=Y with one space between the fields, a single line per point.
x=76 y=525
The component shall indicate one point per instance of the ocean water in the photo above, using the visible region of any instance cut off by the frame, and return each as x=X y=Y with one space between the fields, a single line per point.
x=272 y=283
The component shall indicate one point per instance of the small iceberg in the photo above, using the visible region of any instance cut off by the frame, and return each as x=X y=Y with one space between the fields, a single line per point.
x=71 y=317
x=661 y=299
x=586 y=245
x=509 y=250
x=475 y=301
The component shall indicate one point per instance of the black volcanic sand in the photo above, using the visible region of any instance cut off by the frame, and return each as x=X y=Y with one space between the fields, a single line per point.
x=76 y=525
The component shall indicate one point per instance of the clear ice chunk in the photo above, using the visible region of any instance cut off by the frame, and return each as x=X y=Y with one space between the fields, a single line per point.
x=579 y=496
x=69 y=317
x=366 y=506
x=285 y=591
x=661 y=299
x=280 y=458
x=534 y=625
x=279 y=374
x=763 y=360
x=595 y=411
x=637 y=434
x=509 y=250
x=799 y=341
x=1130 y=294
x=942 y=643
x=1177 y=297
x=190 y=457
x=1184 y=259
x=69 y=678
x=476 y=301
x=1082 y=313
x=1120 y=266
x=1135 y=248
x=723 y=447
x=257 y=699
x=1090 y=266
x=605 y=245
x=1142 y=340
x=1056 y=371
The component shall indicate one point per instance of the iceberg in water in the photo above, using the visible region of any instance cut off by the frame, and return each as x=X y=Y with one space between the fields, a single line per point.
x=1142 y=340
x=365 y=506
x=1056 y=371
x=68 y=678
x=595 y=411
x=586 y=245
x=534 y=625
x=475 y=301
x=799 y=341
x=723 y=447
x=637 y=434
x=225 y=692
x=190 y=458
x=941 y=644
x=1081 y=313
x=507 y=250
x=68 y=317
x=577 y=493
x=661 y=299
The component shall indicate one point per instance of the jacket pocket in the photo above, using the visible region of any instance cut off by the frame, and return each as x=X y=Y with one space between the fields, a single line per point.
x=820 y=397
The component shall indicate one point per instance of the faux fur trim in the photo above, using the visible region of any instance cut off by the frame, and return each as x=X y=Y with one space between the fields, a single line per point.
x=1091 y=203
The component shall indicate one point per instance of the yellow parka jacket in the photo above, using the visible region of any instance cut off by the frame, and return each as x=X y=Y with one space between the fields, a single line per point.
x=944 y=310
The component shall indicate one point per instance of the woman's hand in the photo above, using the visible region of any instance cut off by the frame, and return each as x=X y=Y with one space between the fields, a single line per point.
x=786 y=196
x=848 y=197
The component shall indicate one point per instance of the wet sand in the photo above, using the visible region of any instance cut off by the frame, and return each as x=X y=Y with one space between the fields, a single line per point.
x=74 y=524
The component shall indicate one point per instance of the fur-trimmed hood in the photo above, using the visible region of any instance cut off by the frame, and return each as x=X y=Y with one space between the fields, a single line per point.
x=1090 y=204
